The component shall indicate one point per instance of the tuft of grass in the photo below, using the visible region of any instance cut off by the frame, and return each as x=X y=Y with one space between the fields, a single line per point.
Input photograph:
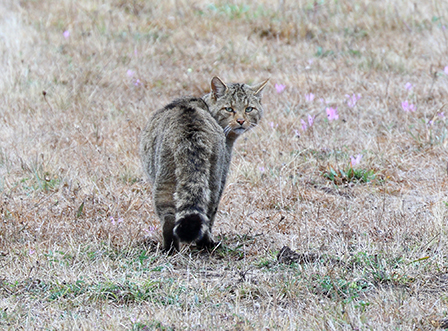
x=154 y=325
x=349 y=175
x=232 y=11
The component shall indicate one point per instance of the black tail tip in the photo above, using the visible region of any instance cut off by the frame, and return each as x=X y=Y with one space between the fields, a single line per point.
x=189 y=228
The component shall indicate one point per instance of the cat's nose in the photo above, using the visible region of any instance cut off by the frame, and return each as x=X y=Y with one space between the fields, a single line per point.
x=240 y=121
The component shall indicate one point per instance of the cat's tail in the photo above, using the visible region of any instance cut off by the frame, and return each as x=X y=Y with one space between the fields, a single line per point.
x=192 y=227
x=192 y=194
x=192 y=223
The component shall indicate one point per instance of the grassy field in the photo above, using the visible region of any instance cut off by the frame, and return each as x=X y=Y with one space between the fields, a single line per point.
x=361 y=199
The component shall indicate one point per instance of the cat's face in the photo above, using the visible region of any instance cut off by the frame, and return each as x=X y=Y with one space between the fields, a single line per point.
x=236 y=107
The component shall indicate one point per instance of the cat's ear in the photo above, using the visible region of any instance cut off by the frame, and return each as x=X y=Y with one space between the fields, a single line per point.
x=219 y=88
x=259 y=88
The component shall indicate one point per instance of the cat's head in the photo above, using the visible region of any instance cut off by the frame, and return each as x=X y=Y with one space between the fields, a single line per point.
x=236 y=107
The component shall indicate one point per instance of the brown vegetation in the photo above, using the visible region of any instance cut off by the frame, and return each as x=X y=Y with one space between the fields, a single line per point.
x=79 y=241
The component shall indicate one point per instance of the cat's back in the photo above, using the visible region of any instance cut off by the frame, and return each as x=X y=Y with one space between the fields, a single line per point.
x=183 y=121
x=179 y=120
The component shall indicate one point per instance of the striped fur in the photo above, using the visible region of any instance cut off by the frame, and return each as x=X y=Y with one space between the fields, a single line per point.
x=186 y=150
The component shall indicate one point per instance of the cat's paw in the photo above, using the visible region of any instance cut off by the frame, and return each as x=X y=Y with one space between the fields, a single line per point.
x=206 y=243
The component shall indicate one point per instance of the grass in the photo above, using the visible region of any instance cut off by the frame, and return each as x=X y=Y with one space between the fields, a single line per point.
x=349 y=175
x=79 y=239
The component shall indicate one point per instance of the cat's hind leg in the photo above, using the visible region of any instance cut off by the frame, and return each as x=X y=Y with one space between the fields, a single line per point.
x=170 y=242
x=206 y=241
x=165 y=209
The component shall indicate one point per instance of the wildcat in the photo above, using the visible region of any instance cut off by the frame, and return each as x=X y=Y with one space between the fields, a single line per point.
x=186 y=149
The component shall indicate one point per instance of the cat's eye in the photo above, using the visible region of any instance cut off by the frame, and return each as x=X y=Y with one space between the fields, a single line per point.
x=229 y=109
x=249 y=109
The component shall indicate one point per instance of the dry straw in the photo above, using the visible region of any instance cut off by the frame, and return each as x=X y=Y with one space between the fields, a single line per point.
x=79 y=241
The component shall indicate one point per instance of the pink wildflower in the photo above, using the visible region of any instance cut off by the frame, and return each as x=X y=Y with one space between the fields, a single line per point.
x=407 y=107
x=311 y=120
x=352 y=100
x=66 y=34
x=112 y=220
x=446 y=70
x=355 y=160
x=280 y=88
x=309 y=97
x=150 y=231
x=332 y=113
x=304 y=126
x=408 y=86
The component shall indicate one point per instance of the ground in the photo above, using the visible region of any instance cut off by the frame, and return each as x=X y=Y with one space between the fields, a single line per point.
x=335 y=212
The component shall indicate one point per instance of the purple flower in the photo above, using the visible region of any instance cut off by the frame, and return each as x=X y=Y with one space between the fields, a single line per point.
x=408 y=86
x=151 y=232
x=446 y=70
x=151 y=229
x=130 y=73
x=261 y=169
x=352 y=100
x=273 y=125
x=280 y=88
x=66 y=34
x=407 y=107
x=311 y=120
x=137 y=82
x=32 y=251
x=354 y=160
x=332 y=113
x=112 y=220
x=304 y=126
x=309 y=97
x=441 y=115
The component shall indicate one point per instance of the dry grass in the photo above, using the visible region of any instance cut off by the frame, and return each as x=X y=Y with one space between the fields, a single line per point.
x=69 y=163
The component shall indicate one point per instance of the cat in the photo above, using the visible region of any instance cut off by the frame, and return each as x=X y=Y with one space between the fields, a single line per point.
x=186 y=148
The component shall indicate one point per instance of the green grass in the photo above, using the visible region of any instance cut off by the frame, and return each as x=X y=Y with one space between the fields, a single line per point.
x=349 y=175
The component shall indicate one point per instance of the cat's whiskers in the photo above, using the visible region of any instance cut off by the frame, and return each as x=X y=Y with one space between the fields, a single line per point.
x=227 y=129
x=252 y=125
